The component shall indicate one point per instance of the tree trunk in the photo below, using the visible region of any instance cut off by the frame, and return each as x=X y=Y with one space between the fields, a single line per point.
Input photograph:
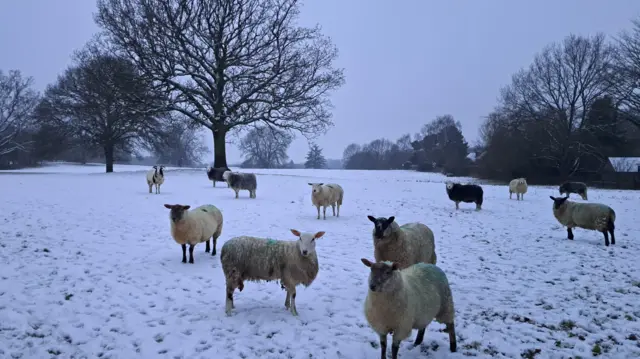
x=219 y=148
x=108 y=158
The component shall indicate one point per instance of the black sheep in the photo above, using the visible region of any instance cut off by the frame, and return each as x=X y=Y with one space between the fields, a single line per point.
x=468 y=193
x=215 y=174
x=578 y=188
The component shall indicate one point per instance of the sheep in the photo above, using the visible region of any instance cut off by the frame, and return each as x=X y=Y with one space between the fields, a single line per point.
x=519 y=187
x=239 y=181
x=594 y=216
x=574 y=187
x=399 y=300
x=155 y=176
x=404 y=245
x=324 y=195
x=217 y=174
x=195 y=226
x=467 y=193
x=255 y=259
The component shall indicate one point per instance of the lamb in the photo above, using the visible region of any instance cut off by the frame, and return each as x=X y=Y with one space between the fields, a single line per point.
x=594 y=216
x=155 y=176
x=324 y=195
x=404 y=245
x=467 y=193
x=255 y=259
x=519 y=187
x=195 y=226
x=400 y=300
x=242 y=181
x=574 y=187
x=217 y=174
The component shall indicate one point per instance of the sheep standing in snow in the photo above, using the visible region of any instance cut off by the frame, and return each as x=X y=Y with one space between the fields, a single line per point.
x=593 y=216
x=195 y=226
x=217 y=174
x=400 y=300
x=578 y=188
x=155 y=176
x=404 y=245
x=519 y=187
x=325 y=195
x=255 y=259
x=242 y=181
x=468 y=193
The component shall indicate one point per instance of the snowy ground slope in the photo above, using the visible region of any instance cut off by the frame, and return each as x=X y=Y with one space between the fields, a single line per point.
x=88 y=269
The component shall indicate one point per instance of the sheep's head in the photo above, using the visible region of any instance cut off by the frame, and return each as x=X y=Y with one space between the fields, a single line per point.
x=226 y=174
x=316 y=187
x=177 y=211
x=450 y=185
x=161 y=170
x=381 y=225
x=381 y=275
x=558 y=201
x=522 y=180
x=307 y=241
x=564 y=188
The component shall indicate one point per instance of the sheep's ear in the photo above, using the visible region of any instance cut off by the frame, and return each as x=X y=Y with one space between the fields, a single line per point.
x=320 y=184
x=372 y=219
x=310 y=184
x=295 y=232
x=319 y=234
x=394 y=266
x=168 y=206
x=552 y=198
x=390 y=220
x=186 y=207
x=366 y=262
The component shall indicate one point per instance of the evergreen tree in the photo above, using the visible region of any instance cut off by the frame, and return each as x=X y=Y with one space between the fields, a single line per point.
x=315 y=159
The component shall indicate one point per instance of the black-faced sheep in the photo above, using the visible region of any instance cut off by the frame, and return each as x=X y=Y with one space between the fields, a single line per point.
x=519 y=187
x=468 y=193
x=404 y=245
x=217 y=175
x=155 y=176
x=578 y=188
x=195 y=226
x=242 y=181
x=400 y=300
x=593 y=216
x=255 y=259
x=325 y=195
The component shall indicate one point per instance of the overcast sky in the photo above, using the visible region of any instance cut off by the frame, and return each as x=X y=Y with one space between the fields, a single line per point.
x=405 y=61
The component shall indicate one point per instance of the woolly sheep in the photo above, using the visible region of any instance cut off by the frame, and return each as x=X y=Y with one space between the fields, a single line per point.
x=242 y=181
x=467 y=193
x=217 y=175
x=593 y=216
x=574 y=187
x=255 y=259
x=404 y=245
x=195 y=226
x=519 y=187
x=155 y=176
x=400 y=300
x=324 y=195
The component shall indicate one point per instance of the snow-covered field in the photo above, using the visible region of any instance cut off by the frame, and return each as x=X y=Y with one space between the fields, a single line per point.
x=88 y=269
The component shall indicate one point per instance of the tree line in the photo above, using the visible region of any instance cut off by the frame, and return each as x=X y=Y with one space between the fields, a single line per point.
x=160 y=70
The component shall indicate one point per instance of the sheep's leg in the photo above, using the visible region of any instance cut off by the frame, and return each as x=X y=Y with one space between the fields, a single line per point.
x=383 y=346
x=236 y=192
x=287 y=300
x=184 y=253
x=510 y=194
x=451 y=329
x=150 y=187
x=158 y=188
x=214 y=242
x=229 y=300
x=338 y=210
x=457 y=203
x=613 y=237
x=324 y=212
x=291 y=299
x=569 y=233
x=395 y=347
x=606 y=238
x=318 y=207
x=208 y=248
x=478 y=206
x=419 y=337
x=333 y=209
x=214 y=183
x=191 y=247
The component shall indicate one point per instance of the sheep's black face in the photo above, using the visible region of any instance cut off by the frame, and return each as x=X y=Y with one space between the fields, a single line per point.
x=177 y=211
x=380 y=225
x=558 y=201
x=380 y=275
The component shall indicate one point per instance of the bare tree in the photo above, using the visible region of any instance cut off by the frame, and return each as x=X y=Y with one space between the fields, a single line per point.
x=17 y=101
x=230 y=63
x=627 y=81
x=265 y=147
x=557 y=91
x=349 y=151
x=180 y=145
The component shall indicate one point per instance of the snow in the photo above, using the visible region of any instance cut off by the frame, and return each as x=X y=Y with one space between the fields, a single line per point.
x=88 y=269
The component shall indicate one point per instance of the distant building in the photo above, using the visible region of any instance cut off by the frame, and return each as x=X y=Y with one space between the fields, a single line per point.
x=625 y=164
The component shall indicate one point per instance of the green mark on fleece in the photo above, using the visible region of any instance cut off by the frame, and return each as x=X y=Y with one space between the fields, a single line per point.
x=271 y=241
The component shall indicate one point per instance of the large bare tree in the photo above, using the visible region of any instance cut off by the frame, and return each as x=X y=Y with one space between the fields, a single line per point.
x=230 y=63
x=17 y=101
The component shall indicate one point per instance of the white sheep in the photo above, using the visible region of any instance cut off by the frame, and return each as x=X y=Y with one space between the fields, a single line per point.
x=519 y=187
x=255 y=259
x=594 y=216
x=242 y=181
x=155 y=176
x=324 y=195
x=404 y=245
x=195 y=226
x=400 y=300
